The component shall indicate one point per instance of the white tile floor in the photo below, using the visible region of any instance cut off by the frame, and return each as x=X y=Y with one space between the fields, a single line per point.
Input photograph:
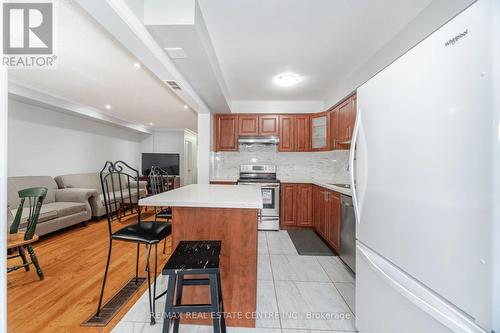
x=311 y=294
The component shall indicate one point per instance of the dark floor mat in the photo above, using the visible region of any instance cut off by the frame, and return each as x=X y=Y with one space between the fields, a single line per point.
x=308 y=243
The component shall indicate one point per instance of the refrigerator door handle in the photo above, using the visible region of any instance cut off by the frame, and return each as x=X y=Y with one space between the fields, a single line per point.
x=352 y=155
x=418 y=294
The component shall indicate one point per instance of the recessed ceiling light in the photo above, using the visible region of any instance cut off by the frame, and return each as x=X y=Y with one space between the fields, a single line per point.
x=137 y=65
x=108 y=107
x=286 y=79
x=186 y=107
x=151 y=124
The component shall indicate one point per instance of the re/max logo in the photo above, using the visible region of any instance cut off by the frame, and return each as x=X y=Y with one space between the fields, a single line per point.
x=455 y=39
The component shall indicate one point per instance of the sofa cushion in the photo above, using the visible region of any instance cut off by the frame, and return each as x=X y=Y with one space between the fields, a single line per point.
x=10 y=217
x=89 y=180
x=67 y=208
x=80 y=180
x=46 y=213
x=19 y=183
x=118 y=195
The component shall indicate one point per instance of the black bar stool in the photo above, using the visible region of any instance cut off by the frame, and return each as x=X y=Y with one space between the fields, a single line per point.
x=194 y=258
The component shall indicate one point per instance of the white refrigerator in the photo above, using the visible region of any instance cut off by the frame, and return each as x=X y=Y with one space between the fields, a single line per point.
x=426 y=167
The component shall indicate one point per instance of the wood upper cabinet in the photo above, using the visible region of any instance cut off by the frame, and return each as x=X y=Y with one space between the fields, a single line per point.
x=268 y=125
x=288 y=203
x=334 y=128
x=343 y=118
x=226 y=132
x=352 y=115
x=287 y=133
x=302 y=139
x=343 y=121
x=304 y=206
x=298 y=133
x=248 y=125
x=320 y=131
x=333 y=219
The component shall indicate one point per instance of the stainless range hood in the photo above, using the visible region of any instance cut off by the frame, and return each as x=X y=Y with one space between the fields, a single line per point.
x=261 y=140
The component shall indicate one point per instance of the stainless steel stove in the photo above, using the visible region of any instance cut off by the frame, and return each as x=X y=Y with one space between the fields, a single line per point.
x=265 y=177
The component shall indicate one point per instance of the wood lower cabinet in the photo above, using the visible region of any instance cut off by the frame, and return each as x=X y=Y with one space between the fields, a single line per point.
x=248 y=125
x=333 y=220
x=304 y=205
x=288 y=203
x=317 y=202
x=296 y=205
x=268 y=125
x=287 y=133
x=323 y=214
x=226 y=132
x=326 y=215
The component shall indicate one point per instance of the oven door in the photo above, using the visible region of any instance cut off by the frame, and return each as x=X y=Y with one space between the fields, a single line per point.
x=270 y=200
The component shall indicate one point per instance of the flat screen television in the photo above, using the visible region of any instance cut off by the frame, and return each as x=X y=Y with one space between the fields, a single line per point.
x=168 y=162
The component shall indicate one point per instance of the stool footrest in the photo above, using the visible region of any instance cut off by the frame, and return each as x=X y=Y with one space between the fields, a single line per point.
x=198 y=308
x=196 y=282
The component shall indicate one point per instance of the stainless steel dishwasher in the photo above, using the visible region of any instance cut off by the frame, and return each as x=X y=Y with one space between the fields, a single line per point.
x=348 y=232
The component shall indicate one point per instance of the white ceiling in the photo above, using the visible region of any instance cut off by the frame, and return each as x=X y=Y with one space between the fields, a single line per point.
x=322 y=40
x=95 y=70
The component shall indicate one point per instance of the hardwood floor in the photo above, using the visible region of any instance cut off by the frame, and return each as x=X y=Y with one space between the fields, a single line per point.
x=73 y=261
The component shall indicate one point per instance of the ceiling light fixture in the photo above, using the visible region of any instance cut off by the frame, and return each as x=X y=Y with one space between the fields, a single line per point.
x=137 y=65
x=108 y=107
x=151 y=124
x=286 y=79
x=186 y=107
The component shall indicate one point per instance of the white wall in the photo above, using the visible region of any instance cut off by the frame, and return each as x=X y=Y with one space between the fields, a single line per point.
x=191 y=137
x=168 y=141
x=46 y=142
x=277 y=106
x=496 y=181
x=204 y=147
x=3 y=197
x=430 y=19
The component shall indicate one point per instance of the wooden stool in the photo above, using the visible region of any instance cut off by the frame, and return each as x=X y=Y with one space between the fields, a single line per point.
x=194 y=258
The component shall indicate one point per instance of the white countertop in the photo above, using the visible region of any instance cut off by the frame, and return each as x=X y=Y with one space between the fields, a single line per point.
x=343 y=190
x=204 y=195
x=323 y=183
x=228 y=180
x=320 y=182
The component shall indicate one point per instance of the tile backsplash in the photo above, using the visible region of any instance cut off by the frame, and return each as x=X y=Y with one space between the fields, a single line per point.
x=331 y=165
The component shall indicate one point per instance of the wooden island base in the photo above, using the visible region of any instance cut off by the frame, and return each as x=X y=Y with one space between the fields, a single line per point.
x=237 y=229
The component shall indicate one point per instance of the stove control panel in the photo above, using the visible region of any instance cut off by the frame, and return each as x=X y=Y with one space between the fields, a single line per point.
x=262 y=168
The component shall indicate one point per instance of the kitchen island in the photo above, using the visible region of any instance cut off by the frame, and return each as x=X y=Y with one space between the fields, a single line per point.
x=219 y=212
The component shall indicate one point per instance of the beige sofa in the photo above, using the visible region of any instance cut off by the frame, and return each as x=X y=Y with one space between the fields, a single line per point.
x=92 y=181
x=60 y=209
